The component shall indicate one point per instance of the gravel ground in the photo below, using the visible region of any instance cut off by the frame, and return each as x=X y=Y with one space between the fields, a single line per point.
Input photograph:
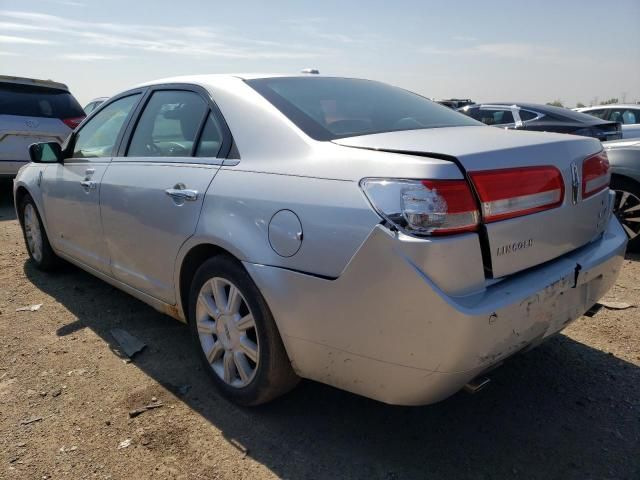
x=568 y=409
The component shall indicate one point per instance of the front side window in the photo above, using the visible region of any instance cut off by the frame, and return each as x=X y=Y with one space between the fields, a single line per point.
x=626 y=116
x=331 y=108
x=97 y=138
x=168 y=125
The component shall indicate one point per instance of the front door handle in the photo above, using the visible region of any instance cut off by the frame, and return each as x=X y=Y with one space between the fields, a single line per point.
x=182 y=194
x=88 y=185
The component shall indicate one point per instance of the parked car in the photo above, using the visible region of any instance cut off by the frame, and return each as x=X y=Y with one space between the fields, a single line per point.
x=456 y=103
x=627 y=114
x=624 y=157
x=336 y=229
x=93 y=104
x=543 y=118
x=32 y=111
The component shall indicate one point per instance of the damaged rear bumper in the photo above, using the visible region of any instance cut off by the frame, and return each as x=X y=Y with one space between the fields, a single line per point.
x=384 y=330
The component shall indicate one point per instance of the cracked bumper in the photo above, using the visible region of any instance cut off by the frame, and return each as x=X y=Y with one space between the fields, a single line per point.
x=385 y=331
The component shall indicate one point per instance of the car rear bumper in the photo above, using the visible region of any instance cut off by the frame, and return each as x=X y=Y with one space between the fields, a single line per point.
x=384 y=330
x=9 y=168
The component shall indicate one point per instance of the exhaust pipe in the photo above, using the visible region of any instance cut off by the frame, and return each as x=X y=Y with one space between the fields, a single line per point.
x=477 y=384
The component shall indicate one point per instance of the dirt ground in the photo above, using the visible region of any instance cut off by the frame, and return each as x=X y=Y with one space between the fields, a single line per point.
x=569 y=409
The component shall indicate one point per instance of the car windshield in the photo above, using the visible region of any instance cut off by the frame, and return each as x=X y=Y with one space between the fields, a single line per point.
x=330 y=108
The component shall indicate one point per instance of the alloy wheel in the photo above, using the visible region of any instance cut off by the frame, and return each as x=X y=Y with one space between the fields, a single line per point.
x=33 y=232
x=627 y=209
x=227 y=332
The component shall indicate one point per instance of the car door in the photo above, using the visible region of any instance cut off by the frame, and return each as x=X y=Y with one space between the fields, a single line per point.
x=152 y=195
x=71 y=190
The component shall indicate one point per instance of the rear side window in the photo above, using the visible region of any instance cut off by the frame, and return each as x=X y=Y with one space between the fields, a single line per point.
x=331 y=108
x=32 y=101
x=211 y=139
x=527 y=115
x=98 y=136
x=600 y=113
x=491 y=116
x=168 y=125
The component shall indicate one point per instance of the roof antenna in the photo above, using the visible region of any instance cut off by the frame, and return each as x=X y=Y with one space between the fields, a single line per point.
x=310 y=71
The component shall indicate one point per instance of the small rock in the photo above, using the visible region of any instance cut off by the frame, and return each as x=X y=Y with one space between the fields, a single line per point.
x=124 y=444
x=30 y=308
x=56 y=392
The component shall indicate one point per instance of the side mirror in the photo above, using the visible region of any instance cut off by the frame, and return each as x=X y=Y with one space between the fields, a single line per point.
x=50 y=152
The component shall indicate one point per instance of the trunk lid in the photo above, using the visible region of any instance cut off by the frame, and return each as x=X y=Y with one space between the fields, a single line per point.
x=518 y=243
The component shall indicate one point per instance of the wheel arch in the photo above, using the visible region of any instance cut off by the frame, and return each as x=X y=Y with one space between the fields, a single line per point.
x=195 y=256
x=20 y=192
x=622 y=176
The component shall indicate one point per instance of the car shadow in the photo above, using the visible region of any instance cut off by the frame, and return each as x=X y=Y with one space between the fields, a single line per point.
x=563 y=410
x=7 y=212
x=635 y=256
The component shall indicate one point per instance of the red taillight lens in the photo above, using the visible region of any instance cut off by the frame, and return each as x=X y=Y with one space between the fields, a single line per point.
x=595 y=174
x=514 y=192
x=424 y=207
x=72 y=122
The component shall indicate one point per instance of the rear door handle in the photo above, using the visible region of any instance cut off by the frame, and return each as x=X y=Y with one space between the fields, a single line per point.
x=88 y=185
x=180 y=193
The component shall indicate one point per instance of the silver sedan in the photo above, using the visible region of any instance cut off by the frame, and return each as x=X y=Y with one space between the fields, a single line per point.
x=335 y=229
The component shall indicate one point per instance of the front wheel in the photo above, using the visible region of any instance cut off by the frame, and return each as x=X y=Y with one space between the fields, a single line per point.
x=627 y=209
x=35 y=237
x=236 y=335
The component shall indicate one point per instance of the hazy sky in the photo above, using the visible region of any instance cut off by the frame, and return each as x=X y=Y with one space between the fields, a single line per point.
x=535 y=50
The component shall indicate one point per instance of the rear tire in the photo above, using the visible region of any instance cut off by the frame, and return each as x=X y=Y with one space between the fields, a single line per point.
x=35 y=236
x=627 y=199
x=236 y=336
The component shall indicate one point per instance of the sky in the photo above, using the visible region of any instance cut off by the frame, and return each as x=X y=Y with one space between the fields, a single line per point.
x=537 y=50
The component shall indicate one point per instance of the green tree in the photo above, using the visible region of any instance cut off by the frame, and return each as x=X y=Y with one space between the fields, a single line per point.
x=580 y=105
x=556 y=103
x=610 y=101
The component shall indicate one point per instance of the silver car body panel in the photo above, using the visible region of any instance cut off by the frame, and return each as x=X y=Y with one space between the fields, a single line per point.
x=397 y=318
x=384 y=330
x=17 y=132
x=71 y=196
x=134 y=202
x=624 y=157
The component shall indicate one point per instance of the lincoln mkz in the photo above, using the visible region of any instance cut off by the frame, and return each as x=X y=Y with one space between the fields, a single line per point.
x=335 y=229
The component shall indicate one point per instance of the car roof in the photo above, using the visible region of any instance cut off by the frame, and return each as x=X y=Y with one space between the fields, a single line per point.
x=33 y=82
x=209 y=78
x=612 y=105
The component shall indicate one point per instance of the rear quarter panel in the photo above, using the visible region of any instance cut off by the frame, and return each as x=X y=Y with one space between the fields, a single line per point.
x=335 y=216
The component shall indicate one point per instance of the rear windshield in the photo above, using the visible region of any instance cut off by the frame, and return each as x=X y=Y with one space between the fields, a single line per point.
x=30 y=101
x=331 y=108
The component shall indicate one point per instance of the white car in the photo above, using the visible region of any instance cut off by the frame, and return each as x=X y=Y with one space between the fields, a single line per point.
x=627 y=114
x=33 y=111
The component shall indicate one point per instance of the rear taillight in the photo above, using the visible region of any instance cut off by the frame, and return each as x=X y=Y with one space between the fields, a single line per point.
x=424 y=207
x=595 y=174
x=514 y=192
x=72 y=122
